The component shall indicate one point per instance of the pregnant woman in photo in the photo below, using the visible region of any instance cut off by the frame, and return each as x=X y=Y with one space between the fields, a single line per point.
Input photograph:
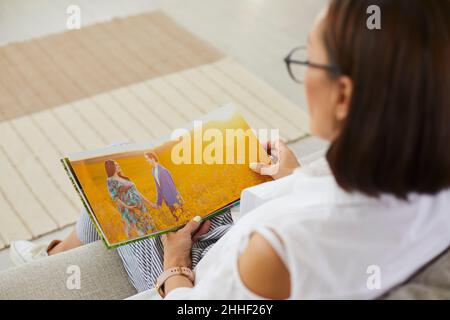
x=129 y=201
x=379 y=199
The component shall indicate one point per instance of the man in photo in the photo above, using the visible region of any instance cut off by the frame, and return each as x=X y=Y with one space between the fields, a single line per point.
x=165 y=186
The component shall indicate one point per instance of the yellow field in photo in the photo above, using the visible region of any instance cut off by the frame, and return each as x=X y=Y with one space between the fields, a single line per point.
x=205 y=188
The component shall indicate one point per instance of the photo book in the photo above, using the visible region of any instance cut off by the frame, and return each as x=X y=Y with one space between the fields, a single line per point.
x=133 y=191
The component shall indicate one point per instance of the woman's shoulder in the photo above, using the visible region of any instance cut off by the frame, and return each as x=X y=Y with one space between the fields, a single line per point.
x=261 y=261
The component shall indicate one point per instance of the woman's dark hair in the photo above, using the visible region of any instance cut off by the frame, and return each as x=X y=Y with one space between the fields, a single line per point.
x=396 y=138
x=110 y=168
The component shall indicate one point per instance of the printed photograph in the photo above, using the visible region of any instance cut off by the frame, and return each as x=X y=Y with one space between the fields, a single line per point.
x=138 y=193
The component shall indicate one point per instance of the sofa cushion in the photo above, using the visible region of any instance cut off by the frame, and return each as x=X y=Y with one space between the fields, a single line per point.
x=101 y=276
x=431 y=282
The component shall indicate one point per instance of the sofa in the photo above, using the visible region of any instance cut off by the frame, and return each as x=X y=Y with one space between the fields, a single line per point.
x=102 y=276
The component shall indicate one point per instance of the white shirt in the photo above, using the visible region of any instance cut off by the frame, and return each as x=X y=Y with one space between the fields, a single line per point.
x=330 y=239
x=156 y=173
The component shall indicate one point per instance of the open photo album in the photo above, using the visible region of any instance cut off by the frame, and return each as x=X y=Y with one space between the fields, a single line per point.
x=133 y=191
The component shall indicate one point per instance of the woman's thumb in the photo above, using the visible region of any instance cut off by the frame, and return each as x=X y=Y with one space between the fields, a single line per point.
x=193 y=225
x=255 y=166
x=264 y=169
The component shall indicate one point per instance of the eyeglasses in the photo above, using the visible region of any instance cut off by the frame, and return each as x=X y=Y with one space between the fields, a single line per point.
x=297 y=63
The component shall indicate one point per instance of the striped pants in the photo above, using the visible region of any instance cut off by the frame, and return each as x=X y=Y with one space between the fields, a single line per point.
x=143 y=260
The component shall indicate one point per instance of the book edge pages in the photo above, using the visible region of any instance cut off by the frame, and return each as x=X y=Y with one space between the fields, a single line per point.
x=83 y=198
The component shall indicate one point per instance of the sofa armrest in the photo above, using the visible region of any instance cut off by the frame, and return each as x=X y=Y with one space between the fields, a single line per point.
x=101 y=271
x=432 y=282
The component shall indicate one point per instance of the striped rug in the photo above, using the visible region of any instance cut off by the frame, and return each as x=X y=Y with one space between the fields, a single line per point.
x=129 y=79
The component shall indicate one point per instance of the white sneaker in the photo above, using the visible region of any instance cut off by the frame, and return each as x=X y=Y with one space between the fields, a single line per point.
x=23 y=251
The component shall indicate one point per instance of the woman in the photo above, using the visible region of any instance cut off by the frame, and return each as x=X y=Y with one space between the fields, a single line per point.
x=129 y=201
x=380 y=198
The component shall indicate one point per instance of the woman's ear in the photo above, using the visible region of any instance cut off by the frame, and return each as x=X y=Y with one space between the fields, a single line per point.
x=344 y=97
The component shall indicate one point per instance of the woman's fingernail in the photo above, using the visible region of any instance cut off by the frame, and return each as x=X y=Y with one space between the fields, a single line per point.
x=197 y=219
x=253 y=165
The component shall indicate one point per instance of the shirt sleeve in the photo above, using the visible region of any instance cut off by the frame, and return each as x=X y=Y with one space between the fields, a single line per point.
x=182 y=293
x=219 y=281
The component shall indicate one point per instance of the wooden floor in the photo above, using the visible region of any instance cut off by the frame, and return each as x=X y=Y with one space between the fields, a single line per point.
x=255 y=33
x=49 y=71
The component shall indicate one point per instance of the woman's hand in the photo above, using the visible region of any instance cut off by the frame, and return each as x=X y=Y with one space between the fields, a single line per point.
x=146 y=200
x=284 y=161
x=177 y=251
x=178 y=245
x=151 y=204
